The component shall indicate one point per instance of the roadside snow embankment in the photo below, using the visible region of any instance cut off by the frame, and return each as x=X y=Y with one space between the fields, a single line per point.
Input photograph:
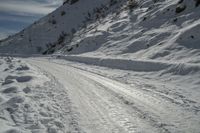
x=137 y=65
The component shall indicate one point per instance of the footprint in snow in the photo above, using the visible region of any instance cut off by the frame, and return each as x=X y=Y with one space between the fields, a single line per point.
x=6 y=69
x=8 y=81
x=9 y=77
x=24 y=79
x=12 y=104
x=22 y=68
x=10 y=90
x=27 y=90
x=14 y=100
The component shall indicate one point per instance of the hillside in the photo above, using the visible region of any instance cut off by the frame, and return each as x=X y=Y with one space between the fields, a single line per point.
x=151 y=30
x=65 y=21
x=147 y=29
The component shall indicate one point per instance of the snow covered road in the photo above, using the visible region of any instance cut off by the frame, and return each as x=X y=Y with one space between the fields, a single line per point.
x=103 y=105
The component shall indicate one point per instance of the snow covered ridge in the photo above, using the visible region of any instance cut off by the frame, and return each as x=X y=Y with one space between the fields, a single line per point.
x=30 y=100
x=53 y=29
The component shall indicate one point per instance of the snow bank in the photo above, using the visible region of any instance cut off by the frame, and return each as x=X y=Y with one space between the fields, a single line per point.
x=137 y=65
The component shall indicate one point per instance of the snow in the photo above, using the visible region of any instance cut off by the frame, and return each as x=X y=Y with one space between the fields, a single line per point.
x=111 y=69
x=153 y=30
x=158 y=37
x=125 y=97
x=30 y=101
x=30 y=40
x=55 y=95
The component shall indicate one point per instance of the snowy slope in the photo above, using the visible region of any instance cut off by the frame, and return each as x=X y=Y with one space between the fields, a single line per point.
x=65 y=20
x=152 y=29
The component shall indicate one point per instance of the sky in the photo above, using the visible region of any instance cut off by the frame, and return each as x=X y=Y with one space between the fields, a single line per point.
x=15 y=15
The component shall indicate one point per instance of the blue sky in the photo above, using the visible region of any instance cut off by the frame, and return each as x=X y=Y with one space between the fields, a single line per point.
x=18 y=14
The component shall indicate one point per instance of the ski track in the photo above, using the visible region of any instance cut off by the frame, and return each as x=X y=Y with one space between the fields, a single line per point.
x=105 y=105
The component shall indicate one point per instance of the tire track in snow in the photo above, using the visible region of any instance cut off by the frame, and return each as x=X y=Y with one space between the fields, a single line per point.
x=96 y=107
x=174 y=97
x=136 y=112
x=155 y=110
x=107 y=96
x=116 y=113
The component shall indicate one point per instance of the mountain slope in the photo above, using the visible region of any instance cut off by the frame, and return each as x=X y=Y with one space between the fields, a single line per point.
x=152 y=30
x=144 y=29
x=65 y=20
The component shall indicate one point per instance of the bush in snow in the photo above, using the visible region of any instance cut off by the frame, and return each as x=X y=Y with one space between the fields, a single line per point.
x=65 y=2
x=53 y=21
x=181 y=1
x=61 y=38
x=180 y=8
x=63 y=13
x=132 y=4
x=69 y=49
